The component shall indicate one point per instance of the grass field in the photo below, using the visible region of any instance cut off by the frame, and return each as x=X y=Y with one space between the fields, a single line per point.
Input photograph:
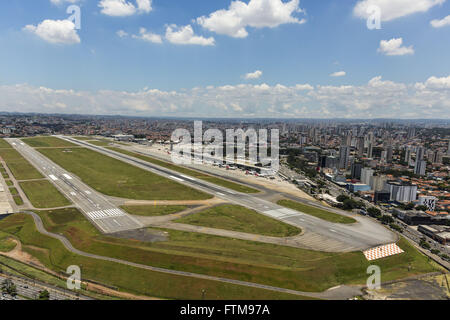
x=116 y=178
x=126 y=278
x=6 y=244
x=47 y=142
x=316 y=212
x=195 y=174
x=4 y=144
x=13 y=191
x=42 y=194
x=18 y=200
x=288 y=267
x=20 y=168
x=237 y=218
x=153 y=211
x=9 y=183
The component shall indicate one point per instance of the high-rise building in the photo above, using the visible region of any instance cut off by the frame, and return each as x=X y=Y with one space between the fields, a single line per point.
x=420 y=167
x=389 y=154
x=370 y=150
x=344 y=156
x=377 y=183
x=408 y=155
x=429 y=202
x=356 y=170
x=401 y=192
x=366 y=175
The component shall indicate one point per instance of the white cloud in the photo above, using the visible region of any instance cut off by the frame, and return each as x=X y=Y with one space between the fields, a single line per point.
x=184 y=35
x=253 y=75
x=122 y=34
x=148 y=36
x=338 y=74
x=257 y=14
x=123 y=8
x=435 y=83
x=393 y=9
x=394 y=47
x=441 y=23
x=55 y=31
x=428 y=99
x=304 y=87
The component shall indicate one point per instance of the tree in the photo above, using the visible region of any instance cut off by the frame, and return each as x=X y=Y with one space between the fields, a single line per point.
x=422 y=208
x=342 y=198
x=44 y=295
x=374 y=212
x=9 y=287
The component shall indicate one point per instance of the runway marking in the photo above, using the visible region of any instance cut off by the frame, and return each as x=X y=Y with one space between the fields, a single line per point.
x=88 y=192
x=176 y=178
x=73 y=193
x=382 y=252
x=333 y=230
x=220 y=194
x=53 y=177
x=189 y=178
x=67 y=176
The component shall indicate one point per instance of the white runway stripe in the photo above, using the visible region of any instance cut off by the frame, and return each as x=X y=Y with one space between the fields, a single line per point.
x=67 y=176
x=176 y=178
x=53 y=177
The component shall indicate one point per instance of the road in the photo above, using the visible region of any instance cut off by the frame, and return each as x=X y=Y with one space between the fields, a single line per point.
x=104 y=215
x=318 y=234
x=341 y=292
x=31 y=289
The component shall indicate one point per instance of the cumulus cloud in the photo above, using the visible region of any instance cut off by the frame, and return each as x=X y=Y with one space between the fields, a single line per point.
x=394 y=47
x=184 y=35
x=253 y=75
x=148 y=36
x=123 y=8
x=338 y=74
x=55 y=31
x=378 y=97
x=235 y=20
x=393 y=9
x=441 y=23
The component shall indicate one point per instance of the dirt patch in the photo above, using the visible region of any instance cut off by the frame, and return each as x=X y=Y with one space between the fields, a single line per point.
x=428 y=288
x=18 y=254
x=144 y=235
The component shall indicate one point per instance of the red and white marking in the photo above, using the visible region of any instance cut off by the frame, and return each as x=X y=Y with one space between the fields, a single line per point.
x=382 y=252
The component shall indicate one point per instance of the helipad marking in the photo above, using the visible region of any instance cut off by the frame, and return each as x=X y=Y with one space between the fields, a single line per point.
x=382 y=252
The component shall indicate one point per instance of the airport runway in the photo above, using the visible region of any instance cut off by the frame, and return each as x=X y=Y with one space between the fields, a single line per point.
x=106 y=216
x=319 y=234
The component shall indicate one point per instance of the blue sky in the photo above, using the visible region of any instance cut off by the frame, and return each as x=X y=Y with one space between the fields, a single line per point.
x=204 y=73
